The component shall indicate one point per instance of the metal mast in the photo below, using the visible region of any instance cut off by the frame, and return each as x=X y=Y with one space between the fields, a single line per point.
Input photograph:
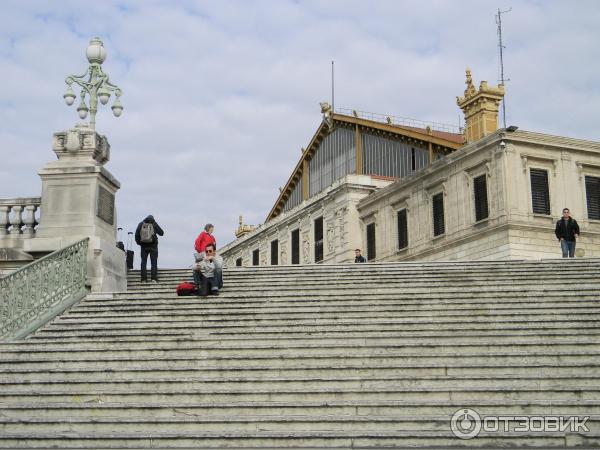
x=500 y=47
x=332 y=89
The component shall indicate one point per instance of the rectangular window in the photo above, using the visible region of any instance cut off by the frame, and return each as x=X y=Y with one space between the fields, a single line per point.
x=319 y=239
x=255 y=258
x=274 y=252
x=238 y=262
x=438 y=214
x=540 y=193
x=481 y=198
x=413 y=160
x=592 y=194
x=296 y=246
x=371 y=247
x=402 y=230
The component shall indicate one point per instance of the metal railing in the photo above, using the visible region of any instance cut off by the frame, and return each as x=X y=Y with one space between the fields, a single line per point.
x=398 y=120
x=39 y=291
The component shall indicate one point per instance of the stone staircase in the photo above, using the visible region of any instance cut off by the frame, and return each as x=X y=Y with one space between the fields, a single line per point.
x=346 y=356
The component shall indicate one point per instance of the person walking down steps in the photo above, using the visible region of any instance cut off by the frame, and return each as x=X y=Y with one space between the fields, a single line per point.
x=567 y=232
x=146 y=237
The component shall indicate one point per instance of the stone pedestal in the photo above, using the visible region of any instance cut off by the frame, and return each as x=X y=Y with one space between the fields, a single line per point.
x=78 y=201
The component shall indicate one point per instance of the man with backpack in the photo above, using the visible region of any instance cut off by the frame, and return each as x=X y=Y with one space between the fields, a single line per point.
x=146 y=237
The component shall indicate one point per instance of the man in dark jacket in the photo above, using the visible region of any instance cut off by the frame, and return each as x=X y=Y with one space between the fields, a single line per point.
x=358 y=258
x=146 y=237
x=566 y=232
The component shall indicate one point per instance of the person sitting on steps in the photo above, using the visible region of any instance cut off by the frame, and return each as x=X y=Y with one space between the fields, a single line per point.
x=205 y=275
x=205 y=238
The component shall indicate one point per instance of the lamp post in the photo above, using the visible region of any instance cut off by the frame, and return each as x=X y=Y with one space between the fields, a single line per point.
x=95 y=83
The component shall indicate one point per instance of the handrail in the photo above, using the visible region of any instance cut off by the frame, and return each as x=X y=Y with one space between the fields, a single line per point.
x=38 y=292
x=398 y=120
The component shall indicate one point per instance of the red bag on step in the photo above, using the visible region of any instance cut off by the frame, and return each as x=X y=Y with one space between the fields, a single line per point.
x=186 y=288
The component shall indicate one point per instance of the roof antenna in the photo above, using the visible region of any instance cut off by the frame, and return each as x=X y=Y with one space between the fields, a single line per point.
x=501 y=68
x=332 y=89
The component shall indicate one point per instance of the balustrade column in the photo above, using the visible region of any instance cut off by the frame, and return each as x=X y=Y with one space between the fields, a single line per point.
x=29 y=220
x=4 y=210
x=16 y=221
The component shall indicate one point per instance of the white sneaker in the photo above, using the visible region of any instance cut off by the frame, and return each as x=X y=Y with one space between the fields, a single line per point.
x=153 y=281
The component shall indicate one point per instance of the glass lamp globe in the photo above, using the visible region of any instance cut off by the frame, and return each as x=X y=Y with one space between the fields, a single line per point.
x=117 y=108
x=69 y=96
x=103 y=95
x=95 y=52
x=82 y=110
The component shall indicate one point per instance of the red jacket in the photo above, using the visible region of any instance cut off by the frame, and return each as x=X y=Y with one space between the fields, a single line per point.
x=203 y=240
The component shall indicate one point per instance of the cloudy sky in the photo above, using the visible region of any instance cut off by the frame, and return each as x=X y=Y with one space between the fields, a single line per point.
x=220 y=96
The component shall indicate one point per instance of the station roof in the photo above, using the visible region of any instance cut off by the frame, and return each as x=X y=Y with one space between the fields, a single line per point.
x=446 y=140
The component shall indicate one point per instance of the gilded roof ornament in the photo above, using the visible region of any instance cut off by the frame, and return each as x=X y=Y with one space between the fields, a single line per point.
x=243 y=229
x=470 y=91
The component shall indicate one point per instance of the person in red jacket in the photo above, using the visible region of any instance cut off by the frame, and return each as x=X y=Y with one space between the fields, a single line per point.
x=205 y=238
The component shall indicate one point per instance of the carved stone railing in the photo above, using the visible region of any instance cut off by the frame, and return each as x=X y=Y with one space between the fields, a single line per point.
x=38 y=292
x=17 y=217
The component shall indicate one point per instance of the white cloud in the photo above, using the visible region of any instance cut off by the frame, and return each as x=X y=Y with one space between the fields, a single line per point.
x=220 y=96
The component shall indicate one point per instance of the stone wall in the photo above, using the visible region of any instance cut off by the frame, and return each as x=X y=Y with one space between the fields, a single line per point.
x=512 y=230
x=341 y=226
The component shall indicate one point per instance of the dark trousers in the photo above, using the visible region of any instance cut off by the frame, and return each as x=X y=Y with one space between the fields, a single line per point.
x=153 y=252
x=205 y=285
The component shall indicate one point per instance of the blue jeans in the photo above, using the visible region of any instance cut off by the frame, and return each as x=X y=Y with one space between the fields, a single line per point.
x=568 y=248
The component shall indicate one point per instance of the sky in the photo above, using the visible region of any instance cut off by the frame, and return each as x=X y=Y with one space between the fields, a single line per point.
x=220 y=96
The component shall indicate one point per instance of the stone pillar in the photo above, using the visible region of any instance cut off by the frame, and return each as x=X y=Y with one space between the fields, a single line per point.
x=16 y=221
x=29 y=220
x=4 y=210
x=78 y=201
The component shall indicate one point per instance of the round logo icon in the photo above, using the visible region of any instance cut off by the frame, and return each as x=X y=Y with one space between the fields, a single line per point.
x=465 y=423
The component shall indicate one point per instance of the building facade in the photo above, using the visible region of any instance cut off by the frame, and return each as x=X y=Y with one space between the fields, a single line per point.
x=406 y=192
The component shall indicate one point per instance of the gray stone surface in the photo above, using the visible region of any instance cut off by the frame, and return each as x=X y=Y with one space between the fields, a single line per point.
x=347 y=356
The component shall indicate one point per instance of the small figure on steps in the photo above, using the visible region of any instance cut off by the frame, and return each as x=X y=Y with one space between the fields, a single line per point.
x=146 y=237
x=205 y=272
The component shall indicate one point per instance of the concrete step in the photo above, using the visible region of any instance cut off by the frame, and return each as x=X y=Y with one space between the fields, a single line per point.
x=350 y=332
x=501 y=358
x=161 y=393
x=368 y=346
x=442 y=320
x=359 y=408
x=211 y=342
x=189 y=316
x=155 y=370
x=245 y=385
x=297 y=440
x=189 y=424
x=100 y=308
x=190 y=331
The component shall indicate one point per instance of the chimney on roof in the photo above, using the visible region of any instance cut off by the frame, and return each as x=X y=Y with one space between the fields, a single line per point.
x=480 y=108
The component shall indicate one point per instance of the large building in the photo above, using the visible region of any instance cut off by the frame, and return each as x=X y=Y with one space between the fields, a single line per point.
x=405 y=191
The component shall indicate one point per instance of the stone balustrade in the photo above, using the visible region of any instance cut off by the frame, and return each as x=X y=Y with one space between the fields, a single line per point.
x=18 y=217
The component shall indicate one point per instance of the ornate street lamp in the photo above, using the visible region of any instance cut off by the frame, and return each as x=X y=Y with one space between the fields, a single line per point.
x=95 y=83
